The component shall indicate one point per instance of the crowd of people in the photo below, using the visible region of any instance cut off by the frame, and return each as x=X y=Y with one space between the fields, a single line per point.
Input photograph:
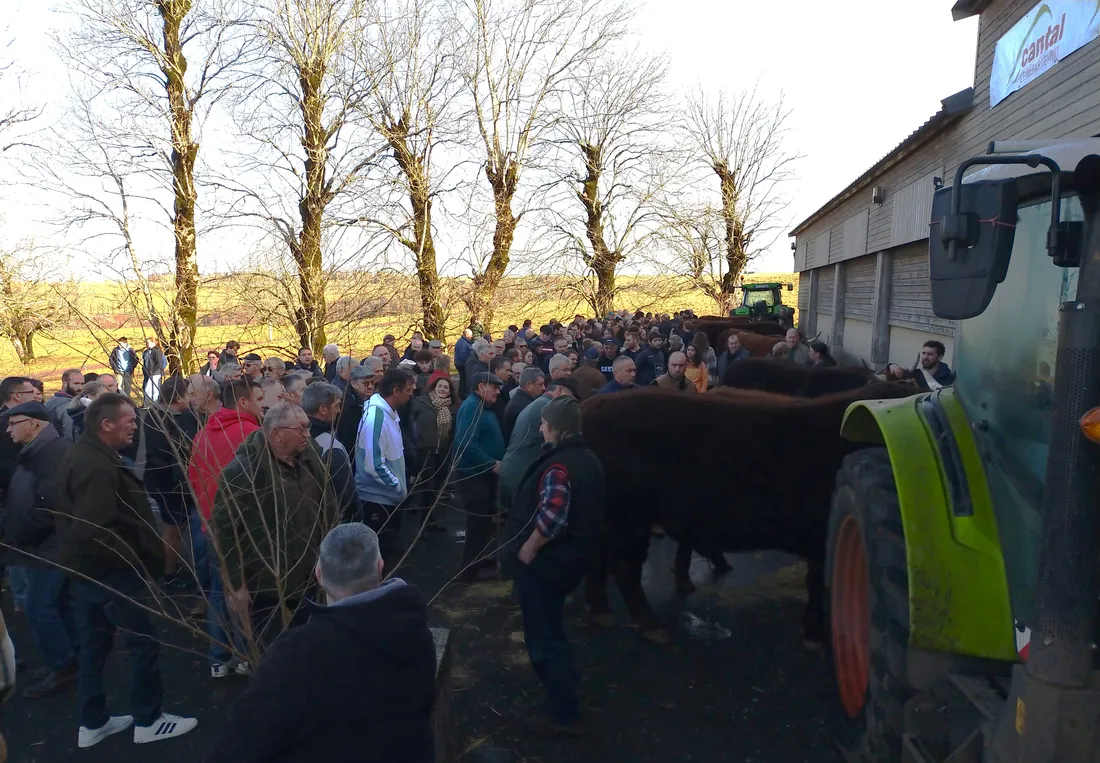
x=269 y=485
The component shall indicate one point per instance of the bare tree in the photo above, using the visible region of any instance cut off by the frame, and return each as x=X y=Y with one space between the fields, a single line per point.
x=611 y=125
x=411 y=105
x=159 y=67
x=307 y=147
x=521 y=56
x=32 y=298
x=18 y=113
x=694 y=238
x=741 y=139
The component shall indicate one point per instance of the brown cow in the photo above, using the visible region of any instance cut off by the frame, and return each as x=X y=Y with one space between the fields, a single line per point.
x=779 y=480
x=714 y=329
x=792 y=379
x=758 y=346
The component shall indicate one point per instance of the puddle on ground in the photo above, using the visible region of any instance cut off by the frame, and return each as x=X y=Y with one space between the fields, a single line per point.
x=704 y=630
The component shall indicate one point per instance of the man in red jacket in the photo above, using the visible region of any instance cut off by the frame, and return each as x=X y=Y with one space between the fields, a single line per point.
x=215 y=446
x=216 y=443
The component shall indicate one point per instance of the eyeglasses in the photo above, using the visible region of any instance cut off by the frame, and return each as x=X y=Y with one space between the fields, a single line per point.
x=17 y=422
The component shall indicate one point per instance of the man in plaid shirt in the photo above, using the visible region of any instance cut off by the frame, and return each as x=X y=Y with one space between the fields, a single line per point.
x=554 y=530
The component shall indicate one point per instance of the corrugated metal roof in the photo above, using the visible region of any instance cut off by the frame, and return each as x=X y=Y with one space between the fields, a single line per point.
x=951 y=108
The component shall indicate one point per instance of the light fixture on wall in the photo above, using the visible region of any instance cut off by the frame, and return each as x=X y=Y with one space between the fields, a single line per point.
x=877 y=195
x=937 y=182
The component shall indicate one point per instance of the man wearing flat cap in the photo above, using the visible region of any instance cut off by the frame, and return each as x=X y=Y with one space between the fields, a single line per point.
x=479 y=448
x=554 y=531
x=29 y=532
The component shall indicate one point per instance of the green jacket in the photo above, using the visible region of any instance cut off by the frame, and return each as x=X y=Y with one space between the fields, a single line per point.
x=104 y=519
x=269 y=519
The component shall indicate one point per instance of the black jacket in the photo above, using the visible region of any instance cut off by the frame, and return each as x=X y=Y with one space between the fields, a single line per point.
x=118 y=355
x=512 y=411
x=356 y=684
x=338 y=462
x=427 y=430
x=650 y=364
x=29 y=511
x=153 y=362
x=105 y=522
x=566 y=558
x=9 y=458
x=168 y=440
x=314 y=367
x=347 y=426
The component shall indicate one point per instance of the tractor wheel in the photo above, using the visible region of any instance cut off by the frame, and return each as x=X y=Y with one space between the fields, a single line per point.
x=867 y=605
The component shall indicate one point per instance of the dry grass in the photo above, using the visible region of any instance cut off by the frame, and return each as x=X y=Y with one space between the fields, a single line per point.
x=106 y=307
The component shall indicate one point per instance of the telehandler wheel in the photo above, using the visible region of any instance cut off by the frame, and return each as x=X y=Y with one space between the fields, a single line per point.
x=867 y=605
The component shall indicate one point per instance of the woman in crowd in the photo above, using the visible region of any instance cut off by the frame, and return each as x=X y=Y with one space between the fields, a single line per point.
x=433 y=414
x=697 y=368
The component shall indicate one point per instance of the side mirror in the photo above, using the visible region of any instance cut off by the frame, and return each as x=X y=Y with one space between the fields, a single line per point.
x=968 y=252
x=790 y=287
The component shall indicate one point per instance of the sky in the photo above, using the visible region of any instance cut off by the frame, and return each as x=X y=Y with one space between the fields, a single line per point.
x=857 y=75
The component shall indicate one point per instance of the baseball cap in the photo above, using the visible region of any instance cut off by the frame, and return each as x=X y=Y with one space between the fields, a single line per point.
x=611 y=340
x=30 y=409
x=359 y=372
x=592 y=353
x=563 y=413
x=253 y=358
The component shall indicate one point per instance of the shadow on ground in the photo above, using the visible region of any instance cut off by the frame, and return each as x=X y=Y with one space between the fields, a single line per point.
x=735 y=685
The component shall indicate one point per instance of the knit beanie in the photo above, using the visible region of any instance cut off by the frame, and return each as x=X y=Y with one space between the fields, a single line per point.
x=563 y=413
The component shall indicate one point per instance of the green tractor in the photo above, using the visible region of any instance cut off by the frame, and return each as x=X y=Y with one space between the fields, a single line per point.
x=963 y=555
x=764 y=301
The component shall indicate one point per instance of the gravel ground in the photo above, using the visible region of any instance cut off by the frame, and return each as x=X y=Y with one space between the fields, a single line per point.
x=736 y=684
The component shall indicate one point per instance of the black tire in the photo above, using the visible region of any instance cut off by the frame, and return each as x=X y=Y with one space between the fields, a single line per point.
x=865 y=492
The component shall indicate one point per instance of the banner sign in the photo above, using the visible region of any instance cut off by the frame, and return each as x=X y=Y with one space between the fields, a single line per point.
x=1047 y=34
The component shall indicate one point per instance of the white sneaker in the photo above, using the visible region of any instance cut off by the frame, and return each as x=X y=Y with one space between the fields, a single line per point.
x=226 y=669
x=164 y=727
x=91 y=737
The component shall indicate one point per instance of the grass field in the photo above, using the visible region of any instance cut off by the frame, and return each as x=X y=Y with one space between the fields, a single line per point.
x=84 y=342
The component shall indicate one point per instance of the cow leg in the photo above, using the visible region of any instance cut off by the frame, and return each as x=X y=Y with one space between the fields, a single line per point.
x=681 y=568
x=595 y=584
x=813 y=619
x=628 y=575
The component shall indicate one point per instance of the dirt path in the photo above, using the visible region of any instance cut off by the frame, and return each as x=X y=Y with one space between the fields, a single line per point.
x=736 y=685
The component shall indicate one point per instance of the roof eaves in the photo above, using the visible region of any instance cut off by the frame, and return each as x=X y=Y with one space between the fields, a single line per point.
x=951 y=109
x=964 y=9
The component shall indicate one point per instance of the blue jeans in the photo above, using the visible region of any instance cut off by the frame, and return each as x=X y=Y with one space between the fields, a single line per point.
x=542 y=604
x=99 y=612
x=49 y=608
x=17 y=580
x=220 y=626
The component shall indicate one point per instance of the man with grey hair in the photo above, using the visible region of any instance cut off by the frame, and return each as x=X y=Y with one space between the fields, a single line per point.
x=276 y=483
x=330 y=353
x=480 y=354
x=294 y=385
x=560 y=367
x=342 y=370
x=322 y=403
x=362 y=671
x=532 y=383
x=230 y=372
x=376 y=365
x=274 y=368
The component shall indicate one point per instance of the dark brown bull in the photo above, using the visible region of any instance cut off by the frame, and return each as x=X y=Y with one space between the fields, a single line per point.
x=714 y=329
x=779 y=480
x=791 y=379
x=759 y=346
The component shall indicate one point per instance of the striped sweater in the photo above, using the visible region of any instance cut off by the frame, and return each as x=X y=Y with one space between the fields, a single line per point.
x=380 y=455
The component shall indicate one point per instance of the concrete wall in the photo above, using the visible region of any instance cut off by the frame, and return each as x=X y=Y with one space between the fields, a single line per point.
x=857 y=338
x=906 y=344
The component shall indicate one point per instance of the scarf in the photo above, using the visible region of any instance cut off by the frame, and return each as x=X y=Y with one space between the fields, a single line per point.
x=442 y=414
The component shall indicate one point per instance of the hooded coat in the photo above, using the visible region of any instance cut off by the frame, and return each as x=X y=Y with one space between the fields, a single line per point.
x=356 y=684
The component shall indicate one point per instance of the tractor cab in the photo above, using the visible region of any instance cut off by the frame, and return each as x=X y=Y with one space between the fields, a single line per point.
x=764 y=302
x=963 y=558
